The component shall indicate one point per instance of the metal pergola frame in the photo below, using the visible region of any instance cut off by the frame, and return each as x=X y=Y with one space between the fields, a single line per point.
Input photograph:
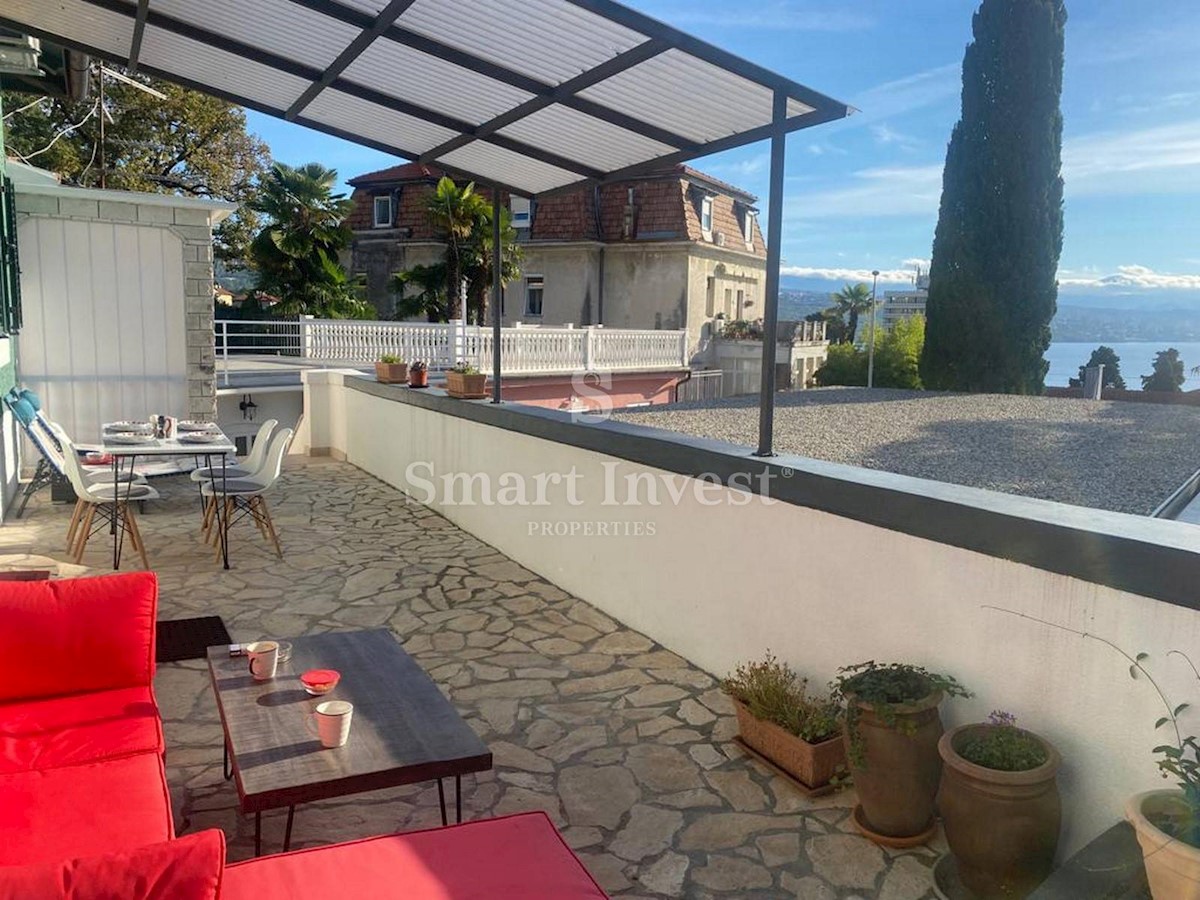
x=388 y=25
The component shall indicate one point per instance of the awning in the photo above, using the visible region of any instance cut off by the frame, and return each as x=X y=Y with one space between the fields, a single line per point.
x=532 y=95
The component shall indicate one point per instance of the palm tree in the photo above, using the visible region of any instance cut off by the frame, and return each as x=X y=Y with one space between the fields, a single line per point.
x=849 y=303
x=296 y=252
x=478 y=263
x=456 y=213
x=421 y=291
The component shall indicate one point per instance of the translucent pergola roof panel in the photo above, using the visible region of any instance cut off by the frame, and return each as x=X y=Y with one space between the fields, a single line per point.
x=550 y=40
x=531 y=95
x=429 y=81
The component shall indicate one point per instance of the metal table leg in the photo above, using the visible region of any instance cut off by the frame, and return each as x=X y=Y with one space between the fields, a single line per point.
x=117 y=527
x=458 y=798
x=442 y=801
x=287 y=834
x=258 y=833
x=226 y=763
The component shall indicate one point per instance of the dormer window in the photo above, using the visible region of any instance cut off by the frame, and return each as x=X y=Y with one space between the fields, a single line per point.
x=383 y=211
x=706 y=215
x=748 y=227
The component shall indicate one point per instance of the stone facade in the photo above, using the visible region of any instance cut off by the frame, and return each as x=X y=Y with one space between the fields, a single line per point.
x=193 y=227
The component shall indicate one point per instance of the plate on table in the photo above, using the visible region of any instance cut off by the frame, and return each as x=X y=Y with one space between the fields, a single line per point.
x=196 y=426
x=128 y=437
x=129 y=427
x=199 y=437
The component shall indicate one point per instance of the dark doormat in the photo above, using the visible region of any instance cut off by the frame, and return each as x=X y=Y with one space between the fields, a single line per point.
x=189 y=638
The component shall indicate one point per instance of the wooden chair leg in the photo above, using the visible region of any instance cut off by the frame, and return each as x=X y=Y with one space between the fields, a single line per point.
x=76 y=515
x=229 y=507
x=262 y=503
x=210 y=506
x=135 y=535
x=84 y=533
x=256 y=512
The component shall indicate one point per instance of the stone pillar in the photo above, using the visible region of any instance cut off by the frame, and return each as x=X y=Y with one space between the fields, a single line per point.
x=192 y=225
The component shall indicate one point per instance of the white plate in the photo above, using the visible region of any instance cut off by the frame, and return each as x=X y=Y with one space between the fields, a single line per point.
x=129 y=427
x=126 y=437
x=196 y=426
x=199 y=437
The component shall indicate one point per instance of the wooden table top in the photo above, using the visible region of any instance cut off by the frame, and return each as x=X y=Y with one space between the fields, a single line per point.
x=403 y=730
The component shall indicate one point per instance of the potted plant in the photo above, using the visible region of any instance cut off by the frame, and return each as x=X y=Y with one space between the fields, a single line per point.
x=779 y=719
x=999 y=805
x=418 y=375
x=892 y=728
x=465 y=382
x=390 y=369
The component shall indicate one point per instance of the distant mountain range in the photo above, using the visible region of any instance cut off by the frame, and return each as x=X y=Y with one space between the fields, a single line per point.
x=1084 y=313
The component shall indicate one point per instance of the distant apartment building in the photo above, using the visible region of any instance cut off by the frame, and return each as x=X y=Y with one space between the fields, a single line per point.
x=675 y=250
x=898 y=305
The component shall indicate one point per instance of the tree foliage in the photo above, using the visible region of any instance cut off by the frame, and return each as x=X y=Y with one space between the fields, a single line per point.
x=845 y=365
x=897 y=355
x=849 y=303
x=296 y=252
x=463 y=220
x=1107 y=357
x=189 y=144
x=993 y=288
x=1168 y=372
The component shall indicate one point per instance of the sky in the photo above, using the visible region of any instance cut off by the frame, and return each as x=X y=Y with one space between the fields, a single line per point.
x=863 y=193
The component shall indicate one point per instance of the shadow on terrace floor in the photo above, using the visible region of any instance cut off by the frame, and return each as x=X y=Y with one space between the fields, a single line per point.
x=624 y=744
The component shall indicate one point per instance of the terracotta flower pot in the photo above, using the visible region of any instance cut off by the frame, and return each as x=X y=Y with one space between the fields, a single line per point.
x=1172 y=867
x=391 y=373
x=466 y=387
x=897 y=781
x=1002 y=827
x=814 y=765
x=418 y=378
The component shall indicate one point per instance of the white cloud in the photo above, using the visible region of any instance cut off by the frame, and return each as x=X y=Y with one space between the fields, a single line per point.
x=893 y=98
x=1145 y=159
x=888 y=136
x=903 y=276
x=1129 y=278
x=880 y=191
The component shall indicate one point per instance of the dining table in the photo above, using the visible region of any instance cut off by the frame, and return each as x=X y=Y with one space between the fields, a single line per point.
x=125 y=442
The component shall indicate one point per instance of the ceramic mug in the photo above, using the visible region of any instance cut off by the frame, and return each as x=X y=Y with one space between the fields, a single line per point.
x=330 y=723
x=264 y=659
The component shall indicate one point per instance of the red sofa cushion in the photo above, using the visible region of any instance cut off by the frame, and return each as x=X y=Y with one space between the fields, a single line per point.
x=185 y=869
x=63 y=731
x=84 y=810
x=518 y=856
x=76 y=635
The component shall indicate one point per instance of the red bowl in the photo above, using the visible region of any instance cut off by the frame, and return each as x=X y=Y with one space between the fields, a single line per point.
x=320 y=681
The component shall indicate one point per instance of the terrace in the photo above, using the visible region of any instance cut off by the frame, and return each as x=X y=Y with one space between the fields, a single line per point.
x=625 y=744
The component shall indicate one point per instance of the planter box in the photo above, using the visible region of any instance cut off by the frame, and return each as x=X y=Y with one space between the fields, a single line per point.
x=466 y=387
x=391 y=373
x=814 y=765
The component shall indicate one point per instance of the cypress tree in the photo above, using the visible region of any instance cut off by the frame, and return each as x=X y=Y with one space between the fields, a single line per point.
x=993 y=281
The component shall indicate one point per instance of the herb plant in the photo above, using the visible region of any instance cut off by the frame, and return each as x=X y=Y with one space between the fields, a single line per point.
x=417 y=366
x=1001 y=745
x=775 y=693
x=391 y=359
x=465 y=368
x=881 y=688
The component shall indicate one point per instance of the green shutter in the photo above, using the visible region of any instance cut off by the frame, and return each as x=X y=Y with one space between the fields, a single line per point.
x=10 y=269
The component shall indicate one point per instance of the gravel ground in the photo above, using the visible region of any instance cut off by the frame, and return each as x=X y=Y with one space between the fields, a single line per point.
x=1121 y=456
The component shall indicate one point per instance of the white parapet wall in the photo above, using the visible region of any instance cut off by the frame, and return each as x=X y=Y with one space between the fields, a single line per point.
x=720 y=576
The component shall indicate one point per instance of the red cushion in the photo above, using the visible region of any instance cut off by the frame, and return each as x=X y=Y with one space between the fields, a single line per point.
x=185 y=869
x=518 y=856
x=76 y=635
x=55 y=814
x=63 y=731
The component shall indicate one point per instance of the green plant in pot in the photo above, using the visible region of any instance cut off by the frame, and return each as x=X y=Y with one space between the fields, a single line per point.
x=1000 y=805
x=778 y=719
x=390 y=369
x=466 y=382
x=418 y=375
x=892 y=728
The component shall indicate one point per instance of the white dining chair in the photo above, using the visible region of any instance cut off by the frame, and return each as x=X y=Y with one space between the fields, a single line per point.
x=112 y=501
x=245 y=497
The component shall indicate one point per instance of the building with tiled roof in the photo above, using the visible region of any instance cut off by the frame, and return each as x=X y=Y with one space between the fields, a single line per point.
x=678 y=249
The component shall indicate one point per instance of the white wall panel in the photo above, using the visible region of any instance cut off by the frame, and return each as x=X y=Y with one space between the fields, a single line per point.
x=104 y=334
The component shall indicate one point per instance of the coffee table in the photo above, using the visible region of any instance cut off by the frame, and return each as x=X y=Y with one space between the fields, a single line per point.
x=404 y=731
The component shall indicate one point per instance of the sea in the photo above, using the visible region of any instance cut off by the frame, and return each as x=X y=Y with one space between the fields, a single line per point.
x=1137 y=358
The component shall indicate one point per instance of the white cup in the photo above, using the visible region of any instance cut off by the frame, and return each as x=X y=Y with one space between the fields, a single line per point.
x=264 y=659
x=332 y=720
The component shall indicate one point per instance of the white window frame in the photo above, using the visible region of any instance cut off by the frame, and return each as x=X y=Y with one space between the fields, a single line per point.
x=536 y=282
x=748 y=229
x=375 y=222
x=521 y=210
x=706 y=212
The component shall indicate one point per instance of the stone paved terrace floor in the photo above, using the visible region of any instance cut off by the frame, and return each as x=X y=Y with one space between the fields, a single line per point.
x=624 y=744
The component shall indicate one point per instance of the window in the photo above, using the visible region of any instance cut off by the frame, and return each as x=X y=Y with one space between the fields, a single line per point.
x=521 y=212
x=383 y=211
x=706 y=214
x=728 y=303
x=534 y=288
x=10 y=273
x=741 y=305
x=710 y=298
x=748 y=227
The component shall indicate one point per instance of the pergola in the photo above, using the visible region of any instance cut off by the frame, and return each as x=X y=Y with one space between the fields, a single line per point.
x=531 y=97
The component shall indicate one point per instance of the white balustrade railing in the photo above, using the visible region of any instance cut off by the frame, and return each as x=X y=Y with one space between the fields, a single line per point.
x=524 y=350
